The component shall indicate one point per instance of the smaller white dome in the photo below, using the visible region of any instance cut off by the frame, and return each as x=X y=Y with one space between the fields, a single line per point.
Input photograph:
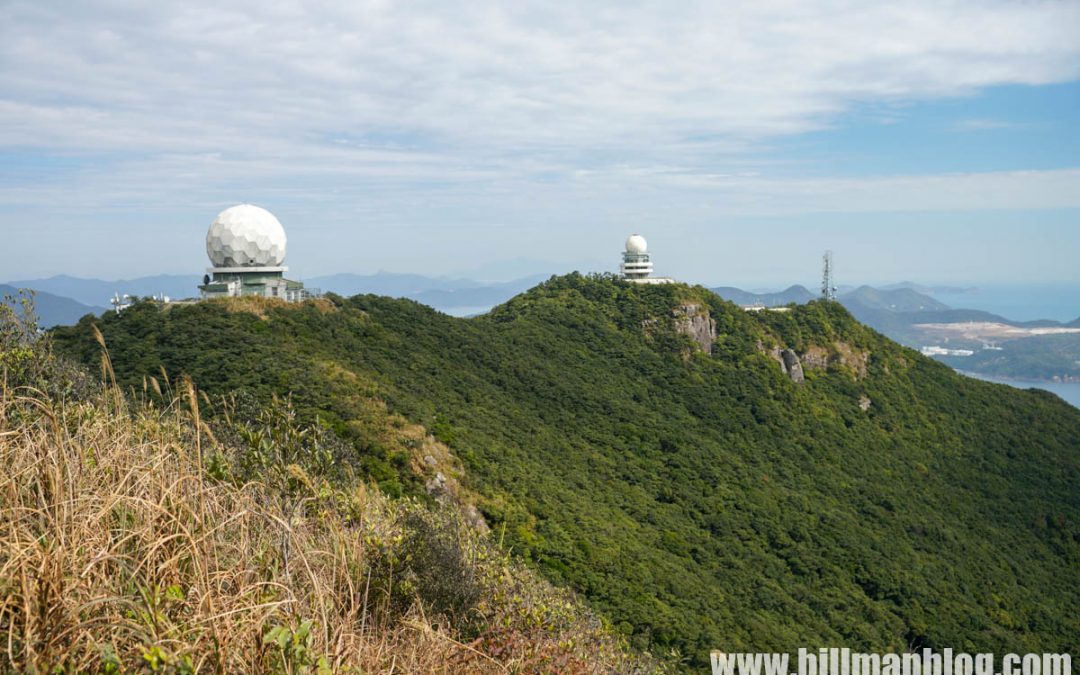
x=636 y=244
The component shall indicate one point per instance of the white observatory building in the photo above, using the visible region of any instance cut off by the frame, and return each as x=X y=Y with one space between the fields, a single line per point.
x=246 y=246
x=637 y=265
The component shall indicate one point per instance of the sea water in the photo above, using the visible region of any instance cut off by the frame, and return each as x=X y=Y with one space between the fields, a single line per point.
x=1069 y=391
x=1020 y=302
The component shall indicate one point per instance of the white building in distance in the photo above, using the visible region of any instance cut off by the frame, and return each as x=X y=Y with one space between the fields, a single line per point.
x=636 y=264
x=246 y=246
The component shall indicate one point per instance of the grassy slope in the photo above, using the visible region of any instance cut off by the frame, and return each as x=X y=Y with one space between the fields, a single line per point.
x=120 y=552
x=700 y=501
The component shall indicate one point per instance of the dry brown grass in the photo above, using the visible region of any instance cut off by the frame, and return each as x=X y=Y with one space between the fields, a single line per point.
x=261 y=307
x=119 y=554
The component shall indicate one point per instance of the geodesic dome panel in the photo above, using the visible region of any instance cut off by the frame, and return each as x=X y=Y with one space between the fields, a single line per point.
x=245 y=236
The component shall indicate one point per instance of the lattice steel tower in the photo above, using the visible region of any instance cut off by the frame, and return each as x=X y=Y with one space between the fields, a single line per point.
x=828 y=290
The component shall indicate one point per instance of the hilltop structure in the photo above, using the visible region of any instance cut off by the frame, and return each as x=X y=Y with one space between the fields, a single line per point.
x=246 y=246
x=828 y=290
x=636 y=264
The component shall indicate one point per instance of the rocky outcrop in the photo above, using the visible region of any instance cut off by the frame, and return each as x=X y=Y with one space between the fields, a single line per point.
x=792 y=366
x=856 y=359
x=446 y=489
x=818 y=358
x=694 y=321
x=787 y=359
x=840 y=354
x=772 y=352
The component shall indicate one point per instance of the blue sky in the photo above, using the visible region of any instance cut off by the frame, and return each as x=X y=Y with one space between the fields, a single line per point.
x=999 y=128
x=932 y=141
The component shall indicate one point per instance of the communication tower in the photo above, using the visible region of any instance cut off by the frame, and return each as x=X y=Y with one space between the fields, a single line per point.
x=828 y=290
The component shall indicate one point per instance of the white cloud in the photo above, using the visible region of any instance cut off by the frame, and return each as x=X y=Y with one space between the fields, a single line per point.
x=378 y=112
x=495 y=77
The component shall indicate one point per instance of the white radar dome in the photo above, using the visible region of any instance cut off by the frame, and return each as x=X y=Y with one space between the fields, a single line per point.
x=636 y=244
x=245 y=236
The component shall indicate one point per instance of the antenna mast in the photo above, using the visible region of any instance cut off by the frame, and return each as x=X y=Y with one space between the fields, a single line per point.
x=828 y=290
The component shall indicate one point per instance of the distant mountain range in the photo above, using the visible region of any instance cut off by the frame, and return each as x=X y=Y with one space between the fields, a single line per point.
x=52 y=310
x=892 y=300
x=386 y=283
x=452 y=296
x=930 y=289
x=870 y=305
x=898 y=298
x=97 y=292
x=792 y=294
x=902 y=312
x=64 y=299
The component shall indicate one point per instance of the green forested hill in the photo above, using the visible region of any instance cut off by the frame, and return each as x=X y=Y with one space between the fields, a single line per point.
x=701 y=500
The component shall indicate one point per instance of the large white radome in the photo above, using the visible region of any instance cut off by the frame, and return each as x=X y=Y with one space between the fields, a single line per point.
x=636 y=244
x=245 y=236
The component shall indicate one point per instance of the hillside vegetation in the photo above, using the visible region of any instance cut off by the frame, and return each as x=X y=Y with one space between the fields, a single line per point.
x=694 y=493
x=137 y=535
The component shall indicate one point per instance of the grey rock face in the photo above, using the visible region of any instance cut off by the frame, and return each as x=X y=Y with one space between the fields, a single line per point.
x=474 y=518
x=792 y=366
x=436 y=486
x=694 y=321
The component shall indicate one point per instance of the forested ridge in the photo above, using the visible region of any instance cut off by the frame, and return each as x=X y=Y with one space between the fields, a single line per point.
x=700 y=499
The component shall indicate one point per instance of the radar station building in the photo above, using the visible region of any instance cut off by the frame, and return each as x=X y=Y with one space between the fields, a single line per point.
x=636 y=265
x=246 y=246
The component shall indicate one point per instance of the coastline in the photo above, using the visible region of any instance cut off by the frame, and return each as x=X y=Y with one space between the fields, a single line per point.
x=1057 y=379
x=1067 y=390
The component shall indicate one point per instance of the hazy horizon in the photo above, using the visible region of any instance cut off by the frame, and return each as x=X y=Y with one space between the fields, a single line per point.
x=543 y=269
